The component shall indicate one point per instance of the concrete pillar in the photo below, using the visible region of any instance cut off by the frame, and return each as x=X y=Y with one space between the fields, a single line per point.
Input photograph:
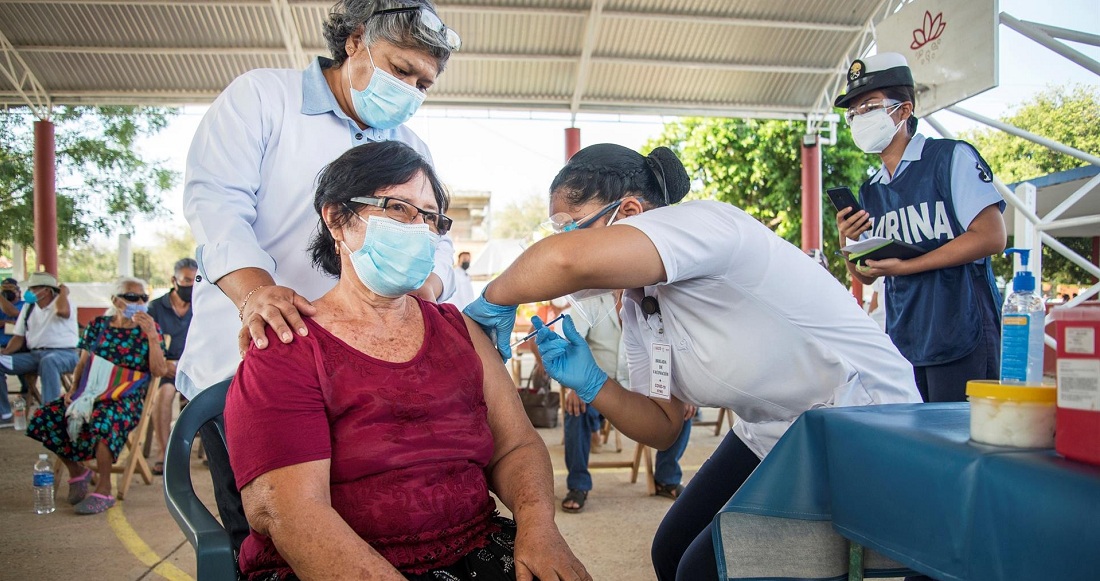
x=45 y=197
x=125 y=256
x=18 y=262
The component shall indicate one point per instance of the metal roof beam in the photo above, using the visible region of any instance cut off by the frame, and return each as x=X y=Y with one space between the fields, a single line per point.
x=238 y=51
x=171 y=3
x=154 y=50
x=709 y=19
x=289 y=31
x=666 y=17
x=1042 y=37
x=592 y=29
x=30 y=92
x=458 y=56
x=470 y=101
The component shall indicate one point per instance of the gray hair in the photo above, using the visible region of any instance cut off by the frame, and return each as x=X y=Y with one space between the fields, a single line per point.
x=119 y=287
x=348 y=17
x=185 y=263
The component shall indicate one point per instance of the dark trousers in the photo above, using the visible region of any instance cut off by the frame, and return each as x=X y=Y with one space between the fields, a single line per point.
x=947 y=382
x=225 y=485
x=682 y=548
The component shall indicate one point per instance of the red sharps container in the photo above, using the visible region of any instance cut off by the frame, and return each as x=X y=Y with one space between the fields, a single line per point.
x=1077 y=421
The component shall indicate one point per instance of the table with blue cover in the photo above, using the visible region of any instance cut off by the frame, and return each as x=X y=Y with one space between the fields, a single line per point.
x=906 y=482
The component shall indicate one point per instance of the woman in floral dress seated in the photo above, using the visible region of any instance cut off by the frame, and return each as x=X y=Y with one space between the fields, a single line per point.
x=120 y=353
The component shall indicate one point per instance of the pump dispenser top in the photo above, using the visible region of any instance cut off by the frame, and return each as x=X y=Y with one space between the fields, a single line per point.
x=1023 y=281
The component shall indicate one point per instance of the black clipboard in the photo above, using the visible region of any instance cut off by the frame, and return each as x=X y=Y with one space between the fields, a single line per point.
x=881 y=249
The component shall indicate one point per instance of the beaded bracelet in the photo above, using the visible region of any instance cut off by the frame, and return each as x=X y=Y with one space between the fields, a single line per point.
x=240 y=309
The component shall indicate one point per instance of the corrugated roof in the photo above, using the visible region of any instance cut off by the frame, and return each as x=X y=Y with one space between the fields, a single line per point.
x=707 y=57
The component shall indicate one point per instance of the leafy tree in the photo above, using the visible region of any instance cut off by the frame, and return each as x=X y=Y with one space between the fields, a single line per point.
x=87 y=262
x=519 y=219
x=756 y=165
x=1067 y=114
x=154 y=263
x=103 y=182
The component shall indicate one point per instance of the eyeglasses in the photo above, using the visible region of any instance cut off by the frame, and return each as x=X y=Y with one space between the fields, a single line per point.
x=429 y=20
x=868 y=106
x=405 y=212
x=133 y=297
x=563 y=222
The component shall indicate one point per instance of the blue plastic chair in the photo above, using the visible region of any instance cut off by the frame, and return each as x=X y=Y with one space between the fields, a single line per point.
x=213 y=546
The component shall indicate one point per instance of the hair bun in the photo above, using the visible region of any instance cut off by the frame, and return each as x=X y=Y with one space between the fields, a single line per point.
x=676 y=178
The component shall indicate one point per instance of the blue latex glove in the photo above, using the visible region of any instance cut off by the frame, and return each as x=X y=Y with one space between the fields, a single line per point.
x=496 y=320
x=569 y=360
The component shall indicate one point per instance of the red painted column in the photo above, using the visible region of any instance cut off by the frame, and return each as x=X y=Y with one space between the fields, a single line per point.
x=45 y=198
x=572 y=141
x=811 y=193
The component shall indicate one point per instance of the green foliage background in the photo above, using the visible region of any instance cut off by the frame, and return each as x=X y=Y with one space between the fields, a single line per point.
x=1067 y=114
x=756 y=165
x=103 y=182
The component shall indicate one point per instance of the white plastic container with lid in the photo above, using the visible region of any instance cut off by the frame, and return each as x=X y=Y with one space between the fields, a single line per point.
x=1020 y=416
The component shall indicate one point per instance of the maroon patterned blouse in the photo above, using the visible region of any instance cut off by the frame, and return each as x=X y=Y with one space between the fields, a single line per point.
x=408 y=441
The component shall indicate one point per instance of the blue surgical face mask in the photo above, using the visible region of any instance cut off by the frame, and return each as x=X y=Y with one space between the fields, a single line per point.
x=395 y=258
x=133 y=309
x=30 y=297
x=386 y=102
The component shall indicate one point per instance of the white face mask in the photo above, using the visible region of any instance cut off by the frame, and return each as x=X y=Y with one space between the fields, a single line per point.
x=873 y=131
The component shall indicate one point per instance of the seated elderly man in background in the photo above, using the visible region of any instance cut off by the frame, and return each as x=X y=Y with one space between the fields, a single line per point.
x=47 y=327
x=368 y=447
x=120 y=352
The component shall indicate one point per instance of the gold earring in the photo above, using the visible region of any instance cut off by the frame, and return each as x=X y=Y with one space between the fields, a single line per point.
x=337 y=243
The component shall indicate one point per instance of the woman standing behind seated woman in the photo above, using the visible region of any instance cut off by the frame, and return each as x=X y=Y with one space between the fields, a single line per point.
x=120 y=353
x=367 y=448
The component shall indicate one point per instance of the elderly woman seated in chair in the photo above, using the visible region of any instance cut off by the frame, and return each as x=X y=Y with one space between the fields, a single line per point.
x=120 y=353
x=368 y=448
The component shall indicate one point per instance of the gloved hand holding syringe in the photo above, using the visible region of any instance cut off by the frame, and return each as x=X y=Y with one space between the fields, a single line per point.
x=533 y=333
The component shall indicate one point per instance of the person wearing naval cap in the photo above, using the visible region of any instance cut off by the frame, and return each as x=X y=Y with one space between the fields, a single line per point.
x=942 y=306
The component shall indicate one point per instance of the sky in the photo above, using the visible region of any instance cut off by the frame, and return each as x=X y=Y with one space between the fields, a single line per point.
x=515 y=154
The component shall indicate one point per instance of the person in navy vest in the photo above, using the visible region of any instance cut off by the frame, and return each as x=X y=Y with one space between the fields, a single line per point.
x=938 y=194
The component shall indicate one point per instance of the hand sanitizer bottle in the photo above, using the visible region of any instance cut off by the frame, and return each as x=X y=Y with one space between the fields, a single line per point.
x=1022 y=320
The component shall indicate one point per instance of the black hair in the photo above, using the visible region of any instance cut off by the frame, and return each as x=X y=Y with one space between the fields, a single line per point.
x=363 y=171
x=609 y=172
x=904 y=93
x=348 y=17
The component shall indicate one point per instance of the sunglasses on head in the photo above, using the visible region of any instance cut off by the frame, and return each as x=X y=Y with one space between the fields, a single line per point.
x=133 y=297
x=428 y=20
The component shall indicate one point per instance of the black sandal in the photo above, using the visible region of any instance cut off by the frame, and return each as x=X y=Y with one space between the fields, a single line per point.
x=672 y=491
x=578 y=497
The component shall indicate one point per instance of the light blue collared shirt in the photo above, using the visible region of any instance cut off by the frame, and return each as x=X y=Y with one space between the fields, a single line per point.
x=970 y=193
x=248 y=195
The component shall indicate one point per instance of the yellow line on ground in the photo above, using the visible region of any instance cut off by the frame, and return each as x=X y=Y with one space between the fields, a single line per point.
x=138 y=548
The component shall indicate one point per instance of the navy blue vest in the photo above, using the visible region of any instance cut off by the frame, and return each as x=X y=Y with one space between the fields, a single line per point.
x=936 y=316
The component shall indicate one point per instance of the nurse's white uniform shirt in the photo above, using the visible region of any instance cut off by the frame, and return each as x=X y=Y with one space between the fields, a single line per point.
x=755 y=325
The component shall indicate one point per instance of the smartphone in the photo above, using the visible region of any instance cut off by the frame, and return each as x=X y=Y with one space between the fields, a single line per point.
x=844 y=198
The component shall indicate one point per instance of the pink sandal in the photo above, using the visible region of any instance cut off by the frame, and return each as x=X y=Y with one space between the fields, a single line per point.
x=78 y=487
x=95 y=503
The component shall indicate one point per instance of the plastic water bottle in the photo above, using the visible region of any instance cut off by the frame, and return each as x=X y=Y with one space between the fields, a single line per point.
x=43 y=485
x=19 y=414
x=1022 y=320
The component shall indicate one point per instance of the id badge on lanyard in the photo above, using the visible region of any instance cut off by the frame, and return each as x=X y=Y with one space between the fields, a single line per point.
x=660 y=352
